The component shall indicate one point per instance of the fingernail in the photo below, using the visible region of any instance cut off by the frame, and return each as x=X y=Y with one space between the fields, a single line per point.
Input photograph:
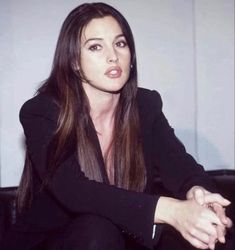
x=212 y=247
x=226 y=200
x=225 y=221
x=222 y=239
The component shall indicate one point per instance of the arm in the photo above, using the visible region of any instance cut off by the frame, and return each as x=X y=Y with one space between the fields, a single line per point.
x=195 y=222
x=179 y=171
x=132 y=212
x=216 y=203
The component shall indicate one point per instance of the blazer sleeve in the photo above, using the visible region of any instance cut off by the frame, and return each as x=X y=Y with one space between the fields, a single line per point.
x=132 y=212
x=178 y=170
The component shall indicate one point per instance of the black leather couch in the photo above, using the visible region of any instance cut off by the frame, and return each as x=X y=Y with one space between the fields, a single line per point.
x=224 y=179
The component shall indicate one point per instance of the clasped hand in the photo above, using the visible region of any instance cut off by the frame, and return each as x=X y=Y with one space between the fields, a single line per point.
x=208 y=218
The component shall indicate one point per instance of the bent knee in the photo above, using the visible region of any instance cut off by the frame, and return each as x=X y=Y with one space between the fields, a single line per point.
x=95 y=232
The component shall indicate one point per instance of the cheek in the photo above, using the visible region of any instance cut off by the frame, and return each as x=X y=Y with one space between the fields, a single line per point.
x=126 y=58
x=90 y=64
x=127 y=64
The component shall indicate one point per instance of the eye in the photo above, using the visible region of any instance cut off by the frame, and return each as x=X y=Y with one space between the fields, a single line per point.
x=121 y=44
x=95 y=47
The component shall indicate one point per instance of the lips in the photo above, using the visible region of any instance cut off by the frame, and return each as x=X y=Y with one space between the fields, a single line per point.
x=113 y=72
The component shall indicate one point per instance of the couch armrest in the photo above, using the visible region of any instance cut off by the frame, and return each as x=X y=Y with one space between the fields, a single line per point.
x=8 y=211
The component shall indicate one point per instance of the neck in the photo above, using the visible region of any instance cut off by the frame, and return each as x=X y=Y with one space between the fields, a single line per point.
x=102 y=107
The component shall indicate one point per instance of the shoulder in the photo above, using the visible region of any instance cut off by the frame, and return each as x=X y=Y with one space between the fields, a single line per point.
x=149 y=101
x=40 y=105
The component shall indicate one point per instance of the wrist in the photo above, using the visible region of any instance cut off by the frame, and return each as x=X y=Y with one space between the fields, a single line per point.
x=166 y=210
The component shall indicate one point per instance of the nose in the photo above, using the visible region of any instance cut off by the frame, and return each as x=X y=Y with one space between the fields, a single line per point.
x=112 y=56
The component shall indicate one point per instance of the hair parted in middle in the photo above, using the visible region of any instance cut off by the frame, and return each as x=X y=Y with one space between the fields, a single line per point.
x=75 y=130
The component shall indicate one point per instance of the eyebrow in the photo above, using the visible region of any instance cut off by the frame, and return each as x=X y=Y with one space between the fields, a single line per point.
x=101 y=39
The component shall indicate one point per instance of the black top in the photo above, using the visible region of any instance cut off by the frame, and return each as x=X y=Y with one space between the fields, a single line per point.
x=71 y=193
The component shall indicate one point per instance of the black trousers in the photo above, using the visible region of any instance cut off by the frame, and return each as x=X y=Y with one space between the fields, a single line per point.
x=86 y=232
x=90 y=232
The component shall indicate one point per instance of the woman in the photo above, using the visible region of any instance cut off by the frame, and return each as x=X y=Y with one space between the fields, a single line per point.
x=94 y=144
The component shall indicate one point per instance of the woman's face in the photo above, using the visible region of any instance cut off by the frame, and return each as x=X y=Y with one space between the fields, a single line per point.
x=105 y=55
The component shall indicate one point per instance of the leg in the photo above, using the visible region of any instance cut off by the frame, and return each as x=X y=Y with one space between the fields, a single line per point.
x=14 y=240
x=88 y=232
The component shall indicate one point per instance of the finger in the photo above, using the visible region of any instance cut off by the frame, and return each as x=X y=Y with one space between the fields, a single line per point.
x=199 y=196
x=211 y=198
x=200 y=235
x=220 y=211
x=229 y=223
x=212 y=217
x=206 y=227
x=195 y=242
x=221 y=233
x=212 y=242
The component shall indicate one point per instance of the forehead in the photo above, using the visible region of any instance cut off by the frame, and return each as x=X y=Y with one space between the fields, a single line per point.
x=101 y=27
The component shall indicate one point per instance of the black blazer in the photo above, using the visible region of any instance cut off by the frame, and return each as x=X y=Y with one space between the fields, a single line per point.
x=71 y=193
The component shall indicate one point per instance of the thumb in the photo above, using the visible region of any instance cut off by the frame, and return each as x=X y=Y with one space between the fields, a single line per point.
x=214 y=197
x=199 y=196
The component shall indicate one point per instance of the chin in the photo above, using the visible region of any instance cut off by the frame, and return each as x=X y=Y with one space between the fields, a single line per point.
x=116 y=89
x=113 y=86
x=113 y=90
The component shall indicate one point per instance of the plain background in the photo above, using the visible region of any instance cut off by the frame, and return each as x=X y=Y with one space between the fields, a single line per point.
x=185 y=50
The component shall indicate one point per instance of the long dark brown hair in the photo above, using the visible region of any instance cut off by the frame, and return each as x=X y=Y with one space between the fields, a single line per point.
x=74 y=123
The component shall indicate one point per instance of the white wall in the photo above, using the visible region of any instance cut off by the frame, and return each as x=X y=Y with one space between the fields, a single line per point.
x=215 y=82
x=185 y=50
